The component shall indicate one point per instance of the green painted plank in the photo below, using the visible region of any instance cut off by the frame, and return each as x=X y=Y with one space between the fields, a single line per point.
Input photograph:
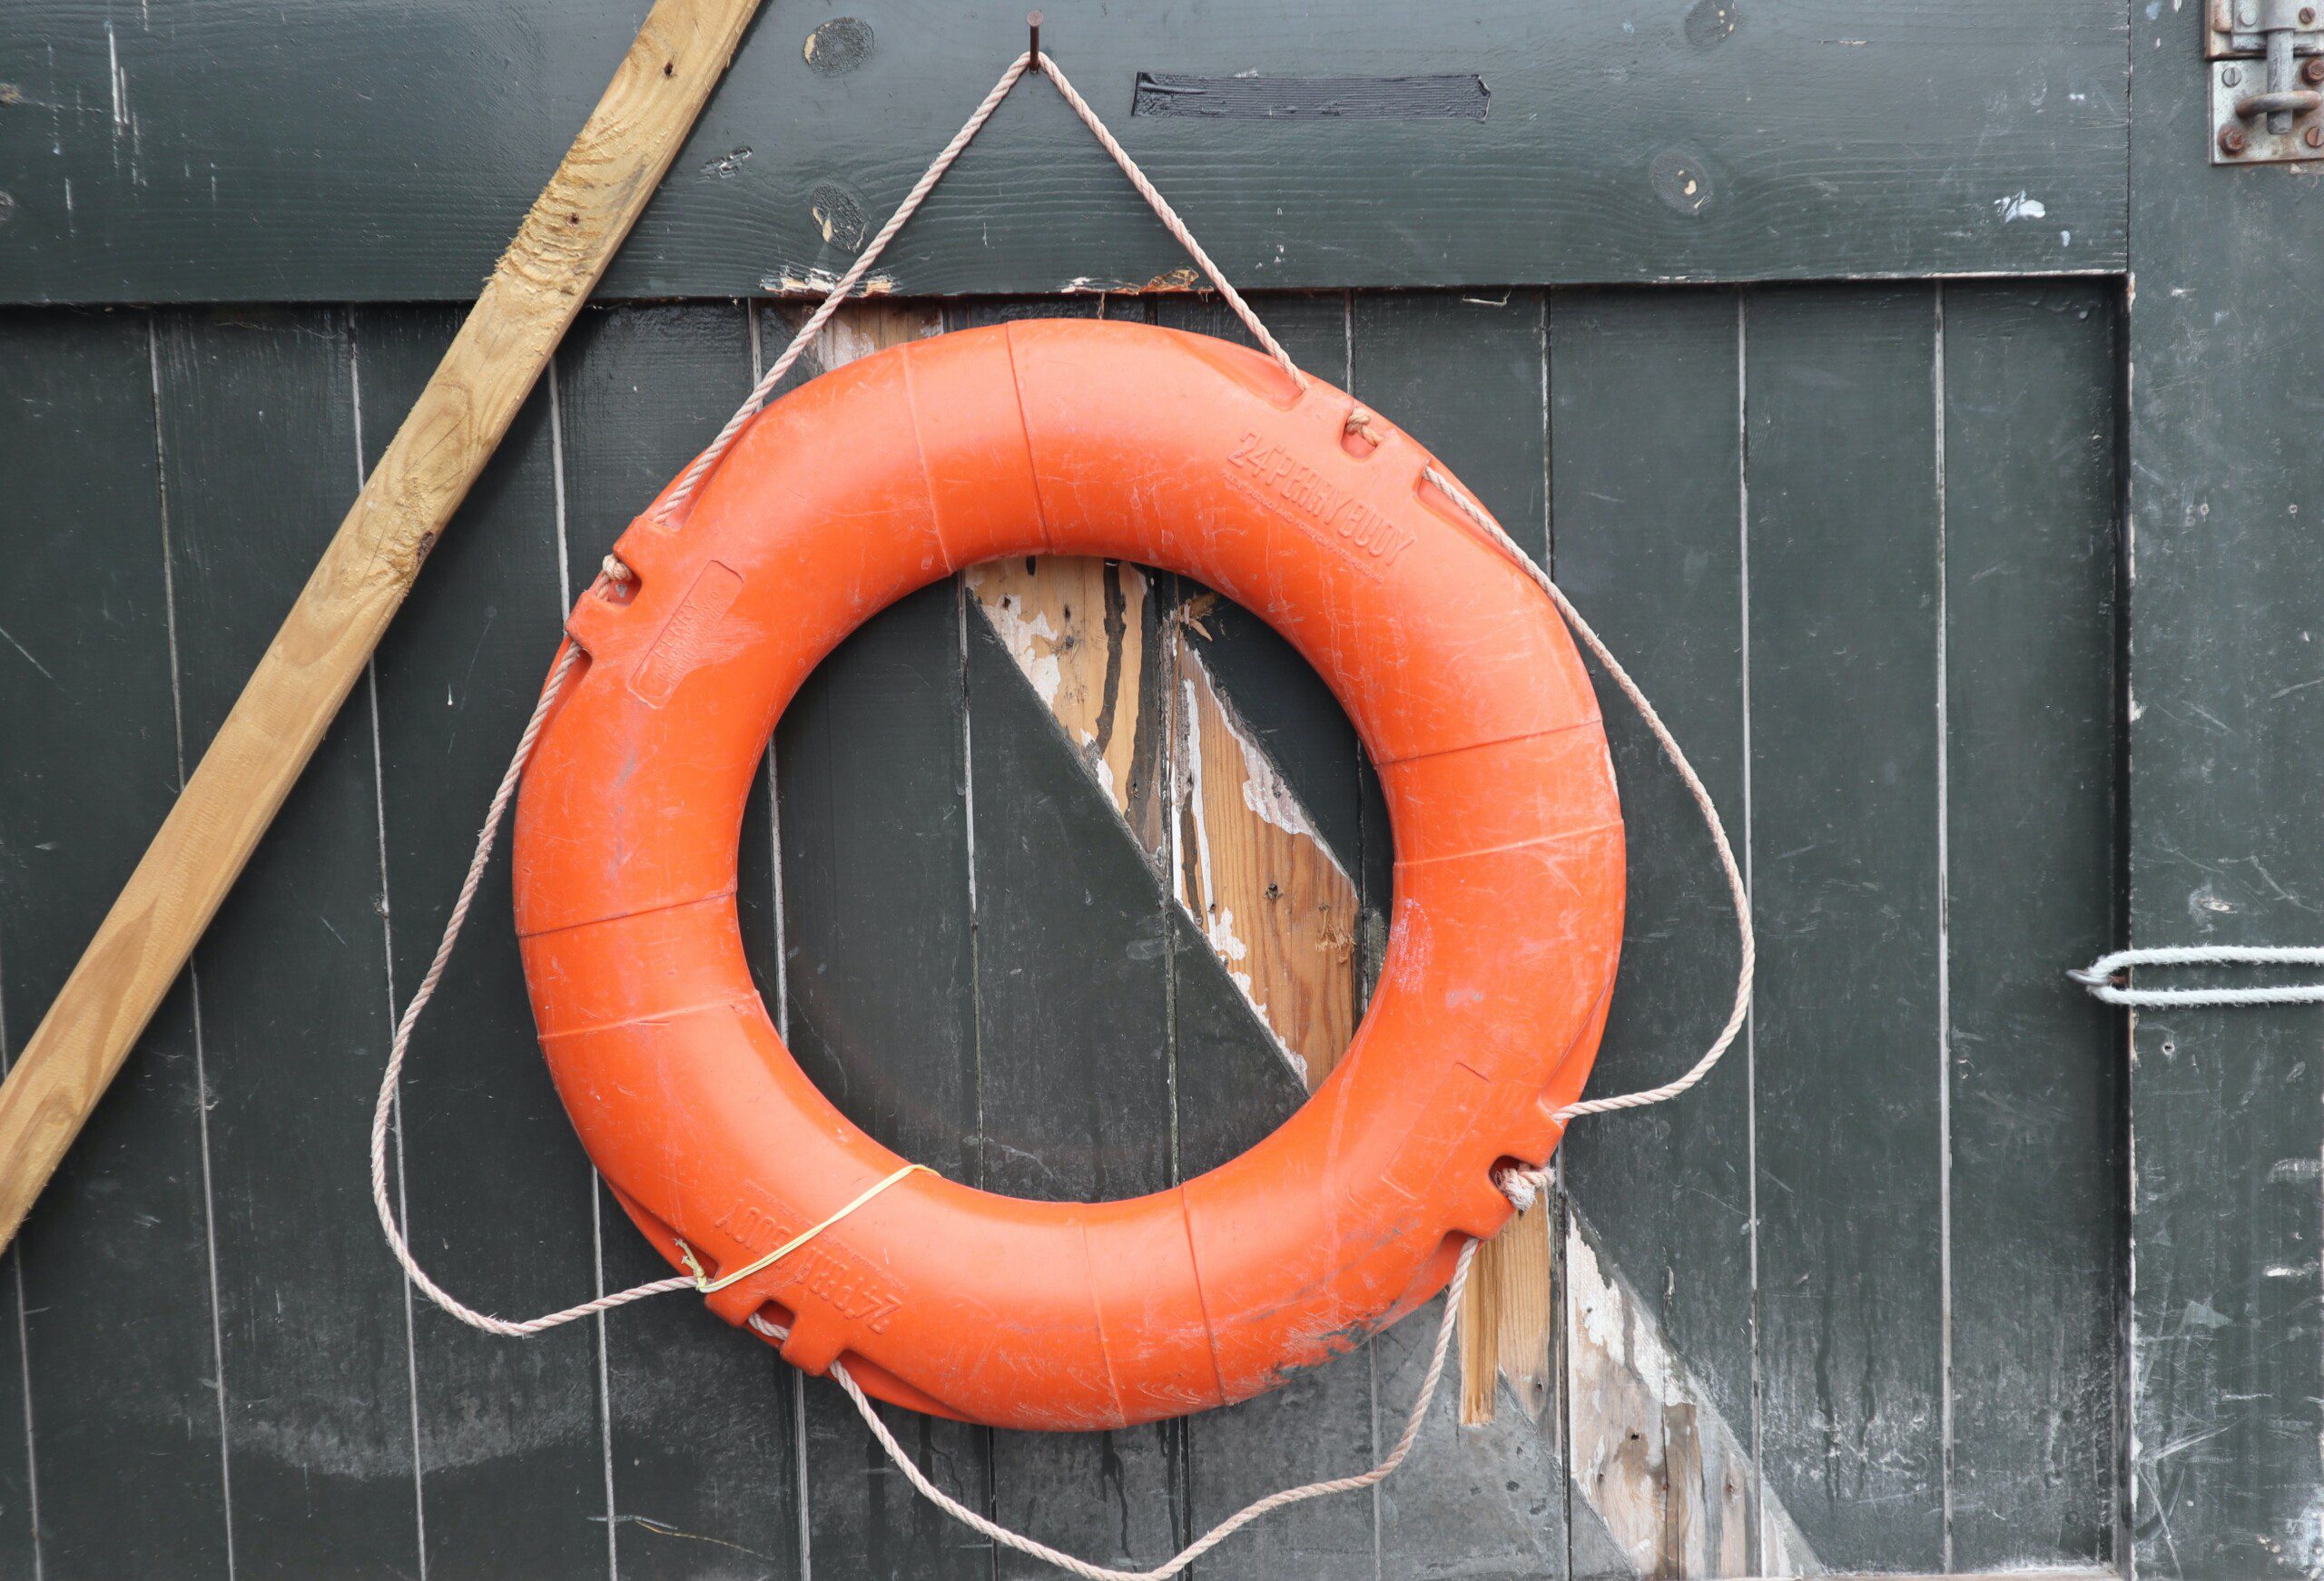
x=2031 y=439
x=2227 y=1322
x=1075 y=1075
x=259 y=445
x=874 y=871
x=1647 y=480
x=502 y=1426
x=1840 y=432
x=85 y=694
x=1233 y=1088
x=1234 y=1085
x=882 y=1015
x=236 y=151
x=702 y=1418
x=1465 y=375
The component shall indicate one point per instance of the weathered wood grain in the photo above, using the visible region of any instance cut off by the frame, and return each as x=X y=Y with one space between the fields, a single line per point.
x=1273 y=902
x=235 y=150
x=85 y=607
x=1083 y=634
x=257 y=750
x=2032 y=700
x=2226 y=730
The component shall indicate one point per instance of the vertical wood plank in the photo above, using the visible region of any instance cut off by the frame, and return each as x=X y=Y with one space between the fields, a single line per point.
x=1074 y=1059
x=874 y=875
x=2227 y=1106
x=2031 y=500
x=1844 y=567
x=1247 y=704
x=1073 y=1031
x=86 y=662
x=702 y=1430
x=1465 y=374
x=1647 y=478
x=497 y=1191
x=259 y=442
x=874 y=871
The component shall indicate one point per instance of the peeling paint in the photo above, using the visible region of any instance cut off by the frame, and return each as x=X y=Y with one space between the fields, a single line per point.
x=1651 y=1453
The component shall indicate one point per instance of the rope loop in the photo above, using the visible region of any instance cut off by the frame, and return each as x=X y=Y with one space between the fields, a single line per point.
x=2108 y=976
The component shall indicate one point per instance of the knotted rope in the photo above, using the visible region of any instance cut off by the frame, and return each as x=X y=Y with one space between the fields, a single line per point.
x=1519 y=1185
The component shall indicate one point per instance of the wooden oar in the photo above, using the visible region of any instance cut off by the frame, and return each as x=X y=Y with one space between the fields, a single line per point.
x=537 y=286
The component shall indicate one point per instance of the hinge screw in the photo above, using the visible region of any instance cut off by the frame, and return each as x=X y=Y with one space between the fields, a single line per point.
x=2232 y=75
x=2308 y=16
x=2232 y=140
x=2314 y=70
x=2247 y=15
x=2313 y=137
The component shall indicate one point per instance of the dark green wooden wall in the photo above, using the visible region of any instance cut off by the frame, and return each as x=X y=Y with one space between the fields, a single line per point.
x=203 y=150
x=1858 y=541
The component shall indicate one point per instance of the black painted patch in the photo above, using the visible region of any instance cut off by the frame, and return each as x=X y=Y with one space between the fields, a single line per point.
x=838 y=215
x=1455 y=97
x=838 y=46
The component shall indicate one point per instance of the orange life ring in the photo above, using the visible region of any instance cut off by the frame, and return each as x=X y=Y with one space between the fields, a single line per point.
x=1072 y=437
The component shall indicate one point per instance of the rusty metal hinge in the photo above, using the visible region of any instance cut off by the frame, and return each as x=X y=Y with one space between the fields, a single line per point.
x=2267 y=61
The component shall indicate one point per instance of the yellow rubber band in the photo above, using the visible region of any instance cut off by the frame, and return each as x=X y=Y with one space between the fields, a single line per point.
x=708 y=1286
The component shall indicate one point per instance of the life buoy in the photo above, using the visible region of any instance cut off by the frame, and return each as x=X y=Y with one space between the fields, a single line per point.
x=1071 y=437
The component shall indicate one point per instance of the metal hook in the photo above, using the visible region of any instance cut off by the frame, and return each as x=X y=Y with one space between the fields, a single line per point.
x=1033 y=24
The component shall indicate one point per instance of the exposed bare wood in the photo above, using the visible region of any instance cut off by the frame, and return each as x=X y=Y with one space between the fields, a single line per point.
x=1507 y=1321
x=1247 y=866
x=540 y=282
x=1251 y=871
x=1653 y=1458
x=861 y=328
x=1078 y=629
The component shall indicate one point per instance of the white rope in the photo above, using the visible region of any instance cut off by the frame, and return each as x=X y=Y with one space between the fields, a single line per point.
x=384 y=1111
x=691 y=479
x=2103 y=976
x=1519 y=1185
x=1233 y=1523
